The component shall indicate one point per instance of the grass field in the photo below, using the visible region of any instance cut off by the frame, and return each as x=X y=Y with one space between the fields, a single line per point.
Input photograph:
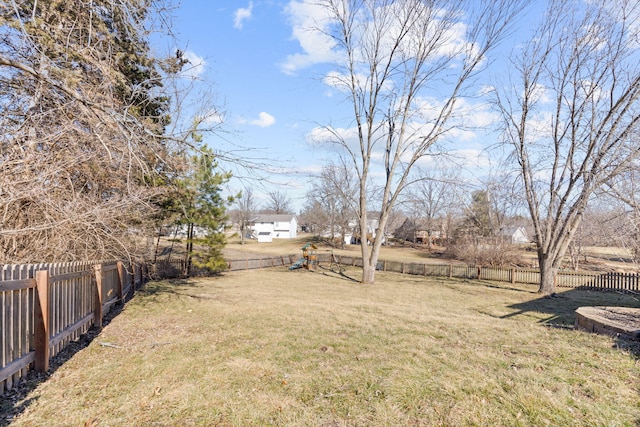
x=275 y=347
x=293 y=246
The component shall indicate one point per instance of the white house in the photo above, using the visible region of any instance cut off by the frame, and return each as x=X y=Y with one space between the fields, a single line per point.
x=372 y=228
x=515 y=235
x=267 y=227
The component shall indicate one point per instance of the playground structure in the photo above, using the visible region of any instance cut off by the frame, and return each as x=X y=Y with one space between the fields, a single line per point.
x=309 y=258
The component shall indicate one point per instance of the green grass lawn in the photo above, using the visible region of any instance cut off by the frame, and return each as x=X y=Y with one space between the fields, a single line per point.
x=282 y=348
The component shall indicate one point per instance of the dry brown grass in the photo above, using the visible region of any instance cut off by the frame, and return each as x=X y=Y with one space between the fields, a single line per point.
x=275 y=347
x=293 y=246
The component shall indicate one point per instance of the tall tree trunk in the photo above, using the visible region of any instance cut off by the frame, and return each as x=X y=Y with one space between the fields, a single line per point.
x=548 y=273
x=155 y=255
x=189 y=254
x=368 y=272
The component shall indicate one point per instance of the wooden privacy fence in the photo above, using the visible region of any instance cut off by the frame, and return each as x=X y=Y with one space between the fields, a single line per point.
x=264 y=262
x=565 y=279
x=43 y=307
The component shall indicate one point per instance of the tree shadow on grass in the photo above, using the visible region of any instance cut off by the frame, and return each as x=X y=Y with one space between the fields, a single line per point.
x=178 y=288
x=561 y=308
x=168 y=286
x=337 y=271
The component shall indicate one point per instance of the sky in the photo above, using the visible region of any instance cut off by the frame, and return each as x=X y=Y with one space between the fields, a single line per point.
x=267 y=71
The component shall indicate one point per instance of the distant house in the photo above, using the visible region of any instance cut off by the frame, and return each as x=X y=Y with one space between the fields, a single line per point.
x=422 y=231
x=353 y=237
x=515 y=235
x=268 y=227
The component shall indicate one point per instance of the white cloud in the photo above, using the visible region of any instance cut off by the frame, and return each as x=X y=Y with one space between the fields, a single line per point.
x=264 y=120
x=195 y=67
x=321 y=135
x=541 y=94
x=309 y=22
x=241 y=15
x=471 y=158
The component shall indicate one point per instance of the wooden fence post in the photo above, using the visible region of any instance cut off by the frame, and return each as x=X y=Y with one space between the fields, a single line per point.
x=132 y=276
x=97 y=305
x=450 y=271
x=41 y=339
x=120 y=280
x=139 y=266
x=513 y=275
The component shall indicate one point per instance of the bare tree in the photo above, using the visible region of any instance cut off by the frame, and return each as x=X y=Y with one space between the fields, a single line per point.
x=573 y=116
x=332 y=200
x=620 y=200
x=313 y=217
x=278 y=203
x=404 y=66
x=434 y=195
x=245 y=211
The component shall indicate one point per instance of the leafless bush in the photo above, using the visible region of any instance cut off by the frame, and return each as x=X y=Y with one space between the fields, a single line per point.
x=491 y=255
x=84 y=159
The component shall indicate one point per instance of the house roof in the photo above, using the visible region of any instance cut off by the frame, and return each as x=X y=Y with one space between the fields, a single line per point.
x=274 y=218
x=510 y=231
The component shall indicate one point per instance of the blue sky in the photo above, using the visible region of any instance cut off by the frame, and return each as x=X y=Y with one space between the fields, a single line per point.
x=269 y=104
x=267 y=72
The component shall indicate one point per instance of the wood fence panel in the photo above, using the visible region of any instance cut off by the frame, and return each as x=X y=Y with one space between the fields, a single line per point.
x=566 y=279
x=440 y=270
x=414 y=268
x=526 y=276
x=391 y=266
x=262 y=262
x=37 y=320
x=16 y=323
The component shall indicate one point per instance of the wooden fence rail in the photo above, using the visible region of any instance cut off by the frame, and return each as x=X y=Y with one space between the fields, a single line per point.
x=43 y=307
x=264 y=262
x=565 y=279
